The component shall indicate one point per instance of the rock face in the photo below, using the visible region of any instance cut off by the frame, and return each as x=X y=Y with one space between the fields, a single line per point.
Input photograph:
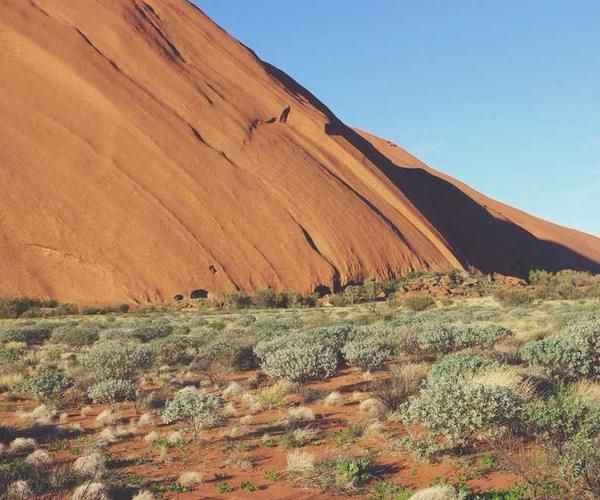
x=146 y=153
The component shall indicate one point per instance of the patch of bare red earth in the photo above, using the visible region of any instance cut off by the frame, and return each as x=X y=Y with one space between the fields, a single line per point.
x=209 y=457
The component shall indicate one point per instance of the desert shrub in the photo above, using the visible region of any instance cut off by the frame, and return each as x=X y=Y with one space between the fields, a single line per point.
x=116 y=334
x=48 y=384
x=353 y=471
x=198 y=410
x=236 y=300
x=114 y=360
x=480 y=336
x=564 y=358
x=395 y=391
x=513 y=296
x=460 y=365
x=338 y=300
x=564 y=284
x=436 y=337
x=300 y=362
x=271 y=397
x=152 y=331
x=11 y=308
x=218 y=358
x=464 y=412
x=571 y=355
x=268 y=328
x=367 y=353
x=245 y=320
x=580 y=464
x=65 y=310
x=343 y=475
x=11 y=351
x=173 y=350
x=352 y=294
x=561 y=419
x=419 y=302
x=76 y=335
x=29 y=333
x=335 y=336
x=112 y=391
x=21 y=479
x=264 y=348
x=269 y=298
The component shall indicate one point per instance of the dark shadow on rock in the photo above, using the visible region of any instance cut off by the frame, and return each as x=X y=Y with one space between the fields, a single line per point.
x=473 y=234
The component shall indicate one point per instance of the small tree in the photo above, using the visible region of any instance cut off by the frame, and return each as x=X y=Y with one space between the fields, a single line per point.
x=198 y=410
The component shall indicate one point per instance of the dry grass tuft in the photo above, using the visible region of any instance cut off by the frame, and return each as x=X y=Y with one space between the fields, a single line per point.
x=187 y=479
x=90 y=491
x=299 y=460
x=20 y=445
x=334 y=399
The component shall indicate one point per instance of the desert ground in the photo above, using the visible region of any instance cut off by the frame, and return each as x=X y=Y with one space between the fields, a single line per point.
x=467 y=397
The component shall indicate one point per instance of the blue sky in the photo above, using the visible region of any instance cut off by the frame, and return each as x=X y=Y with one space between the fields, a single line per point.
x=504 y=95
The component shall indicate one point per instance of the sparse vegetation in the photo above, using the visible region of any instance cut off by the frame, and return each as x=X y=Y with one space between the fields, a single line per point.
x=477 y=385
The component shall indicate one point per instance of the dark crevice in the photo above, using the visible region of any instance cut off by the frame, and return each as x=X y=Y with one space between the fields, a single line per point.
x=309 y=239
x=89 y=42
x=154 y=33
x=211 y=87
x=197 y=134
x=151 y=9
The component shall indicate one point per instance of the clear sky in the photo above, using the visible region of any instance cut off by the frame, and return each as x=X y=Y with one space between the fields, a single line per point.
x=504 y=95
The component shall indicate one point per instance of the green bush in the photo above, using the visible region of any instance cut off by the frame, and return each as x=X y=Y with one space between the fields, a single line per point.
x=485 y=336
x=564 y=358
x=335 y=336
x=29 y=333
x=152 y=331
x=436 y=338
x=11 y=308
x=459 y=366
x=237 y=300
x=114 y=360
x=174 y=350
x=572 y=355
x=269 y=299
x=300 y=362
x=580 y=464
x=112 y=391
x=366 y=353
x=48 y=384
x=76 y=335
x=351 y=472
x=564 y=284
x=561 y=419
x=464 y=412
x=198 y=410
